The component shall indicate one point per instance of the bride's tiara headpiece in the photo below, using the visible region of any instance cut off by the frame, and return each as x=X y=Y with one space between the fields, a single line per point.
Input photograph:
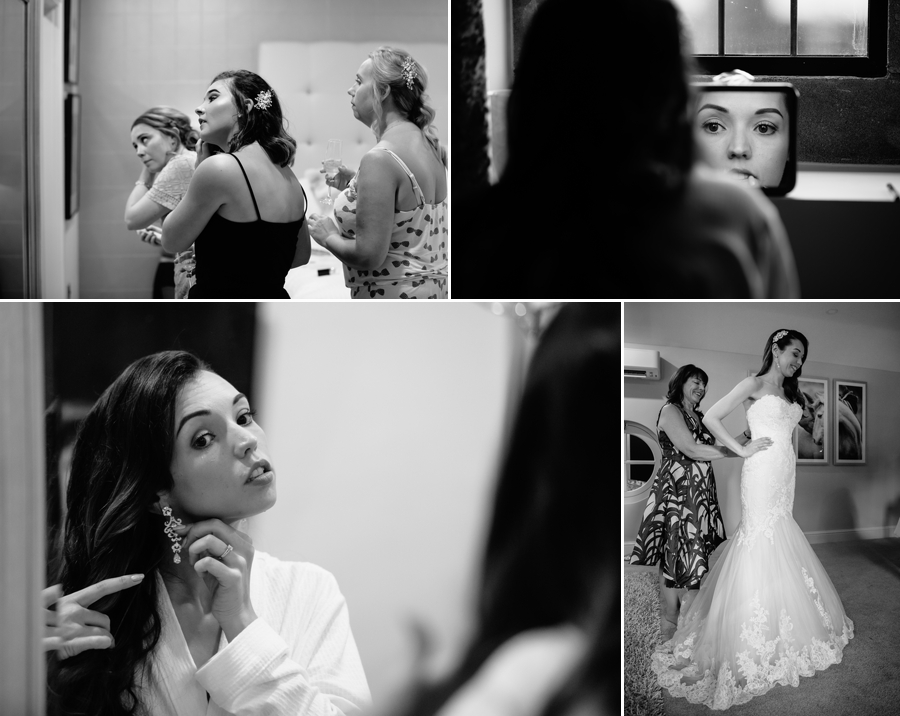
x=778 y=336
x=264 y=100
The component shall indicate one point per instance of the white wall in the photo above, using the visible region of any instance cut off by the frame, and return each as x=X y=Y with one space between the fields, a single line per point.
x=831 y=502
x=384 y=424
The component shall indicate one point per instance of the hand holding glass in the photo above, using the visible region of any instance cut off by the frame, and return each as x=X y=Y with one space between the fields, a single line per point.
x=332 y=164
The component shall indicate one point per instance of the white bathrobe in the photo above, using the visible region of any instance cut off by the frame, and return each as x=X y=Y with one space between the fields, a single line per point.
x=297 y=659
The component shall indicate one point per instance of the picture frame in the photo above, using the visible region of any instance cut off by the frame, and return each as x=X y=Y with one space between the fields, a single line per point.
x=72 y=15
x=849 y=422
x=812 y=436
x=73 y=153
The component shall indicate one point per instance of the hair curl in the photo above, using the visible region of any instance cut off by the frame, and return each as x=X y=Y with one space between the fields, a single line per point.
x=790 y=385
x=120 y=462
x=172 y=123
x=265 y=126
x=414 y=104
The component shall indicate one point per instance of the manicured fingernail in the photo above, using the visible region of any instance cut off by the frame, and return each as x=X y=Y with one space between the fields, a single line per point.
x=137 y=577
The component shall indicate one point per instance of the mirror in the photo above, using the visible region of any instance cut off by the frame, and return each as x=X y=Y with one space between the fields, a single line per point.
x=749 y=131
x=642 y=459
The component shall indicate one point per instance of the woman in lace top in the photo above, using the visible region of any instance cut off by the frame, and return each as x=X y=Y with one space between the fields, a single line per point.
x=164 y=141
x=390 y=222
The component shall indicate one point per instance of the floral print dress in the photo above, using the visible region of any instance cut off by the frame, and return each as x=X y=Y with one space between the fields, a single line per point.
x=682 y=524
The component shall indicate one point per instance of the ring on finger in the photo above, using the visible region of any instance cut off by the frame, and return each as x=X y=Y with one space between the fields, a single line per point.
x=224 y=554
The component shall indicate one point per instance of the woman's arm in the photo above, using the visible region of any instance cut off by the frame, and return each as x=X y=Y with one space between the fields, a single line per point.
x=141 y=210
x=376 y=188
x=304 y=248
x=719 y=411
x=671 y=422
x=208 y=191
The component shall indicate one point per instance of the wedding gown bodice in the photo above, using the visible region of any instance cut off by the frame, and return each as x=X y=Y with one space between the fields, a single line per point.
x=768 y=477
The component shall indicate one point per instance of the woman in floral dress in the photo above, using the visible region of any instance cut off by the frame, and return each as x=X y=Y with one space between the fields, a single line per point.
x=682 y=525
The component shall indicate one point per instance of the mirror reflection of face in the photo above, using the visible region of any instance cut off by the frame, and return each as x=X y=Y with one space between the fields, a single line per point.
x=218 y=445
x=151 y=146
x=745 y=133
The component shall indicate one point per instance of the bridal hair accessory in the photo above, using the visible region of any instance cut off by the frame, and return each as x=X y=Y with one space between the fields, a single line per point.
x=170 y=532
x=264 y=100
x=778 y=336
x=409 y=71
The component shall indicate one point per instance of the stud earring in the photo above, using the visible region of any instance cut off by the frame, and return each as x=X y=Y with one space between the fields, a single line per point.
x=170 y=532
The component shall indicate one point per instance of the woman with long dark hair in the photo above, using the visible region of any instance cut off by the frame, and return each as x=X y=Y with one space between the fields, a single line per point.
x=164 y=142
x=547 y=625
x=245 y=210
x=165 y=466
x=682 y=524
x=767 y=613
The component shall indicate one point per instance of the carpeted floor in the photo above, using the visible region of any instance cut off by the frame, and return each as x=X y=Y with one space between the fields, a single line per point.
x=643 y=695
x=866 y=574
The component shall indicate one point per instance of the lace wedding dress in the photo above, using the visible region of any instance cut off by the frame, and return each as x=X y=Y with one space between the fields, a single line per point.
x=766 y=613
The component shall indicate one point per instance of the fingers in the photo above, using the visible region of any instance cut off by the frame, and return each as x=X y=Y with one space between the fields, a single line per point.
x=226 y=533
x=76 y=646
x=50 y=595
x=209 y=544
x=87 y=596
x=73 y=616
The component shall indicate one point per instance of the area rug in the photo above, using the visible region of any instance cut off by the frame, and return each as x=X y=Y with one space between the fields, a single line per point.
x=643 y=695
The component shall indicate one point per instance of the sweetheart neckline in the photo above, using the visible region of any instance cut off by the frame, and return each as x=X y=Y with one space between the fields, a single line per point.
x=772 y=395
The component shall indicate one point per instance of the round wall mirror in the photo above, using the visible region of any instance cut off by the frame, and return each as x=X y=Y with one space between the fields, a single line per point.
x=642 y=459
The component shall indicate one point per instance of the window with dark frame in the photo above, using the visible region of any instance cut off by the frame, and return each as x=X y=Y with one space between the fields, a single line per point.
x=789 y=37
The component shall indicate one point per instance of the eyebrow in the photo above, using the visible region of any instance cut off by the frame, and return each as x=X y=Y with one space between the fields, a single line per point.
x=198 y=413
x=764 y=110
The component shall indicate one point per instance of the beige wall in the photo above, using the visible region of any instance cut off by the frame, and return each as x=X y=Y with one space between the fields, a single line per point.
x=384 y=423
x=830 y=502
x=140 y=53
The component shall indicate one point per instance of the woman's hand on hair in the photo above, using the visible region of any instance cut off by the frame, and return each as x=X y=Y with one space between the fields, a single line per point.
x=73 y=628
x=341 y=180
x=228 y=579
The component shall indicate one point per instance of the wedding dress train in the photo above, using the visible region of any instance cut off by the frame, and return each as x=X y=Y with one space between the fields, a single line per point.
x=766 y=613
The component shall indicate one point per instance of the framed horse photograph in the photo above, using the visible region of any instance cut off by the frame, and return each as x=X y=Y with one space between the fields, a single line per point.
x=812 y=434
x=849 y=422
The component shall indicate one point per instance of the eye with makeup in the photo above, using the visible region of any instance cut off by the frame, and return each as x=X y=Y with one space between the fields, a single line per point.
x=206 y=438
x=713 y=126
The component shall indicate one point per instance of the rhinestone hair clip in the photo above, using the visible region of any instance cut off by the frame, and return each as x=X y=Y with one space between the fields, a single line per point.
x=778 y=336
x=409 y=71
x=264 y=100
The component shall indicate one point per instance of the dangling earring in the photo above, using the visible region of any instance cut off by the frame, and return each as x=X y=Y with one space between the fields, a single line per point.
x=170 y=532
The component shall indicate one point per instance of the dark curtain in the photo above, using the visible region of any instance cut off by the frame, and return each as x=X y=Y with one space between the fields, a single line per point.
x=470 y=144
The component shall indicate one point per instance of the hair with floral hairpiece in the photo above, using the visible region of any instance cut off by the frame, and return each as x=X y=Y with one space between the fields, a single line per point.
x=790 y=385
x=265 y=127
x=409 y=72
x=395 y=69
x=778 y=336
x=263 y=100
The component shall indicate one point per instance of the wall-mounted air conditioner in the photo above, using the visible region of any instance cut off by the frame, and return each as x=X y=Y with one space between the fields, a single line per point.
x=641 y=363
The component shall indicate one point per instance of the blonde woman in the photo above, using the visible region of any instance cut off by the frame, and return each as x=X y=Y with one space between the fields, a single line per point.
x=164 y=141
x=390 y=220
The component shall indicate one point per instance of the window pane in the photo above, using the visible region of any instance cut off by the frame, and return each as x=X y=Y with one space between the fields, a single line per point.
x=702 y=26
x=640 y=450
x=757 y=27
x=832 y=27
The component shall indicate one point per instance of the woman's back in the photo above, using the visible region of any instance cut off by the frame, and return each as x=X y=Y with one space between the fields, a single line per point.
x=425 y=164
x=278 y=193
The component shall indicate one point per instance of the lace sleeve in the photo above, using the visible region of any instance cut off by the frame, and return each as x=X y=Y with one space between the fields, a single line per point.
x=172 y=183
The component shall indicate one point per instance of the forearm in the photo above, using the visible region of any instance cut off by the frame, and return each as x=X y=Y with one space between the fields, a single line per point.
x=723 y=437
x=137 y=193
x=351 y=252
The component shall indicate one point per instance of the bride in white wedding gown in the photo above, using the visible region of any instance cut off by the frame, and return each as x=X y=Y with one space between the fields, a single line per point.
x=766 y=613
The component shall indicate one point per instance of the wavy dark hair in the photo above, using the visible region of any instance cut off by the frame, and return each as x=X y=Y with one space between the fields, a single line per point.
x=413 y=103
x=549 y=560
x=791 y=385
x=172 y=123
x=682 y=376
x=265 y=126
x=120 y=462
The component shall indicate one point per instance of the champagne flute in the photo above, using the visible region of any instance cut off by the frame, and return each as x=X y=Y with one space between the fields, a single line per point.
x=332 y=164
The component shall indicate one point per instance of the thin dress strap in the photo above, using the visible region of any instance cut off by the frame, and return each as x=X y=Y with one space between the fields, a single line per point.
x=249 y=187
x=420 y=197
